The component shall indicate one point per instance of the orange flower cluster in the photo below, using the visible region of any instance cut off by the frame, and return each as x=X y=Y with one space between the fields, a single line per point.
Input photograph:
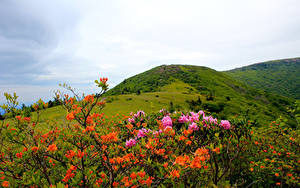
x=182 y=160
x=34 y=149
x=89 y=98
x=175 y=173
x=103 y=80
x=70 y=116
x=70 y=173
x=52 y=148
x=5 y=184
x=19 y=155
x=111 y=137
x=70 y=154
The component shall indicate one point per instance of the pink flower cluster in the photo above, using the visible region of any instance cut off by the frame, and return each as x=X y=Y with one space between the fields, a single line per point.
x=194 y=127
x=143 y=132
x=130 y=143
x=167 y=121
x=225 y=124
x=140 y=114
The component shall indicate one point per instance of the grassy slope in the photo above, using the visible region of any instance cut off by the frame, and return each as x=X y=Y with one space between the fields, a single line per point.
x=124 y=104
x=280 y=76
x=236 y=98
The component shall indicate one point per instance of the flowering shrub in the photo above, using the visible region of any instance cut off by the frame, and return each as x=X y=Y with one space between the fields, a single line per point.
x=171 y=149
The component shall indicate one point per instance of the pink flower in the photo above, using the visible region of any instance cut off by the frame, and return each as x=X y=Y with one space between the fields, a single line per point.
x=213 y=120
x=162 y=110
x=194 y=127
x=183 y=119
x=142 y=132
x=225 y=124
x=201 y=113
x=131 y=120
x=194 y=117
x=130 y=143
x=167 y=121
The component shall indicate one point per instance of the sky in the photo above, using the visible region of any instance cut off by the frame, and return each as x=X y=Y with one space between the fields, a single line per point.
x=44 y=43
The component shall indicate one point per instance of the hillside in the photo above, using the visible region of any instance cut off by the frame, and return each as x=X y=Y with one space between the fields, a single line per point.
x=280 y=76
x=219 y=93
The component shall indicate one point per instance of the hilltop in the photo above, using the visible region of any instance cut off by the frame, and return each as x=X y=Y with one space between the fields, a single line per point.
x=218 y=92
x=279 y=76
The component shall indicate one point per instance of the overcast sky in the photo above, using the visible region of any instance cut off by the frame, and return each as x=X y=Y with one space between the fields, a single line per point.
x=44 y=43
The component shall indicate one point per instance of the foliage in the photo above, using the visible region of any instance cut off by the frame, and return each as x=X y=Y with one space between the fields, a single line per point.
x=219 y=92
x=280 y=76
x=160 y=149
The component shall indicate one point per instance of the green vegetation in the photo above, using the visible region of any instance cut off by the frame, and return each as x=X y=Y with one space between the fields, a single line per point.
x=218 y=93
x=183 y=88
x=280 y=76
x=158 y=149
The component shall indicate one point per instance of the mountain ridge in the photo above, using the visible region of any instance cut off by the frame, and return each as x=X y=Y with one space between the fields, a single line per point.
x=277 y=76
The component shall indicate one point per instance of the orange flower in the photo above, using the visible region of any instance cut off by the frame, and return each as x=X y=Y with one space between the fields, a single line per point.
x=113 y=136
x=262 y=166
x=5 y=184
x=278 y=183
x=182 y=138
x=165 y=165
x=187 y=132
x=175 y=173
x=276 y=174
x=149 y=181
x=182 y=160
x=160 y=151
x=70 y=116
x=129 y=126
x=188 y=142
x=34 y=149
x=133 y=175
x=89 y=98
x=217 y=150
x=70 y=154
x=251 y=169
x=90 y=128
x=52 y=148
x=27 y=119
x=115 y=184
x=201 y=151
x=19 y=155
x=18 y=118
x=141 y=174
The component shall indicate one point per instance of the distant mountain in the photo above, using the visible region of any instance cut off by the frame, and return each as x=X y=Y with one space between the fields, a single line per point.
x=279 y=76
x=219 y=93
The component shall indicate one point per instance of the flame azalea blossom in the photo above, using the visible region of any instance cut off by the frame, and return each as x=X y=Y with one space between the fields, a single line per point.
x=5 y=184
x=19 y=155
x=70 y=116
x=34 y=149
x=52 y=148
x=175 y=174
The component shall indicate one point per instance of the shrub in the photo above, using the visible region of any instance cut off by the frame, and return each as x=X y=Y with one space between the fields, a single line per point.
x=161 y=149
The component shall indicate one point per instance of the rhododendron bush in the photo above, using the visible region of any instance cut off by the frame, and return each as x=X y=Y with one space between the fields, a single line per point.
x=190 y=149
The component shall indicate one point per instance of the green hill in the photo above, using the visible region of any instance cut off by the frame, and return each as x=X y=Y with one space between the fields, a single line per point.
x=280 y=76
x=185 y=87
x=218 y=93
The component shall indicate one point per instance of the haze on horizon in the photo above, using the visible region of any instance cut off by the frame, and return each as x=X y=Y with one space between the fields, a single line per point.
x=44 y=43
